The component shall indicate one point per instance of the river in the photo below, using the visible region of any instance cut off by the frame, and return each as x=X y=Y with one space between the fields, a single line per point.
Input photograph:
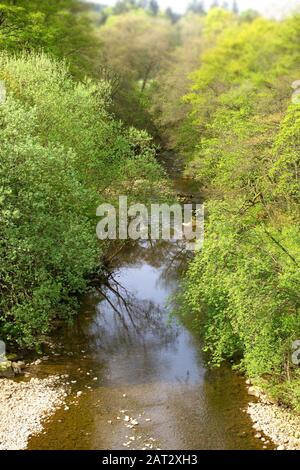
x=138 y=376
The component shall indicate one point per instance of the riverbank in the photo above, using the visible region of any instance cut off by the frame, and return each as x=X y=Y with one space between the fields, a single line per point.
x=24 y=405
x=274 y=422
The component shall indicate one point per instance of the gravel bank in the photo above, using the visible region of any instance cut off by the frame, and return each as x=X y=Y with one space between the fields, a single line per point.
x=23 y=406
x=279 y=424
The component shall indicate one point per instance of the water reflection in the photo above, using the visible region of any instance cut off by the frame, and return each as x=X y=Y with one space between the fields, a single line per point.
x=133 y=324
x=125 y=339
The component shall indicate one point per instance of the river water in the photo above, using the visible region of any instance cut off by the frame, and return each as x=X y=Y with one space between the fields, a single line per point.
x=138 y=376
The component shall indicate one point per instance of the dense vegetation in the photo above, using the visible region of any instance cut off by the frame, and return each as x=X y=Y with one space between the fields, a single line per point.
x=244 y=287
x=214 y=86
x=61 y=28
x=62 y=154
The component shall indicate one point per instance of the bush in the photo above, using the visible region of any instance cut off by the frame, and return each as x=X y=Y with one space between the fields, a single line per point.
x=62 y=155
x=243 y=288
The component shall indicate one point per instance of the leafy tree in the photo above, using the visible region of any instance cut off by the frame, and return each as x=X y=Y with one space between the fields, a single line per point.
x=243 y=287
x=235 y=7
x=153 y=7
x=167 y=107
x=249 y=15
x=174 y=17
x=196 y=34
x=62 y=155
x=135 y=47
x=60 y=28
x=123 y=6
x=196 y=7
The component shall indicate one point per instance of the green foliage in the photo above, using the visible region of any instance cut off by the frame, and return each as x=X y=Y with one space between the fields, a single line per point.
x=243 y=287
x=60 y=28
x=171 y=83
x=135 y=49
x=218 y=87
x=62 y=155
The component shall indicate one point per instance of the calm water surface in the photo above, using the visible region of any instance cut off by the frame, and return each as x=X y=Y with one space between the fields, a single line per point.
x=126 y=357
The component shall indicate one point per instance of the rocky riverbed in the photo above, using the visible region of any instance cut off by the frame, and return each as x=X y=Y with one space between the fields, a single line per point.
x=23 y=407
x=274 y=422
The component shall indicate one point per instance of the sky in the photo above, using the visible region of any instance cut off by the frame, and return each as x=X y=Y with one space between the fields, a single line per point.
x=267 y=7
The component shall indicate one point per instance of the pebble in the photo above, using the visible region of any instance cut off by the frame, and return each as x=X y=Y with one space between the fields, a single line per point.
x=24 y=406
x=280 y=425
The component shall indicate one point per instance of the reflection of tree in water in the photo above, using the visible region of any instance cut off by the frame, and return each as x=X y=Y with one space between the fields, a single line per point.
x=125 y=320
x=168 y=256
x=122 y=317
x=171 y=258
x=175 y=263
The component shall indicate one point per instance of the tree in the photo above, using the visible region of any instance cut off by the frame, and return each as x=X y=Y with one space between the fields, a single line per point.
x=243 y=287
x=174 y=17
x=62 y=155
x=249 y=15
x=143 y=4
x=123 y=6
x=153 y=7
x=172 y=83
x=235 y=7
x=196 y=7
x=60 y=28
x=135 y=47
